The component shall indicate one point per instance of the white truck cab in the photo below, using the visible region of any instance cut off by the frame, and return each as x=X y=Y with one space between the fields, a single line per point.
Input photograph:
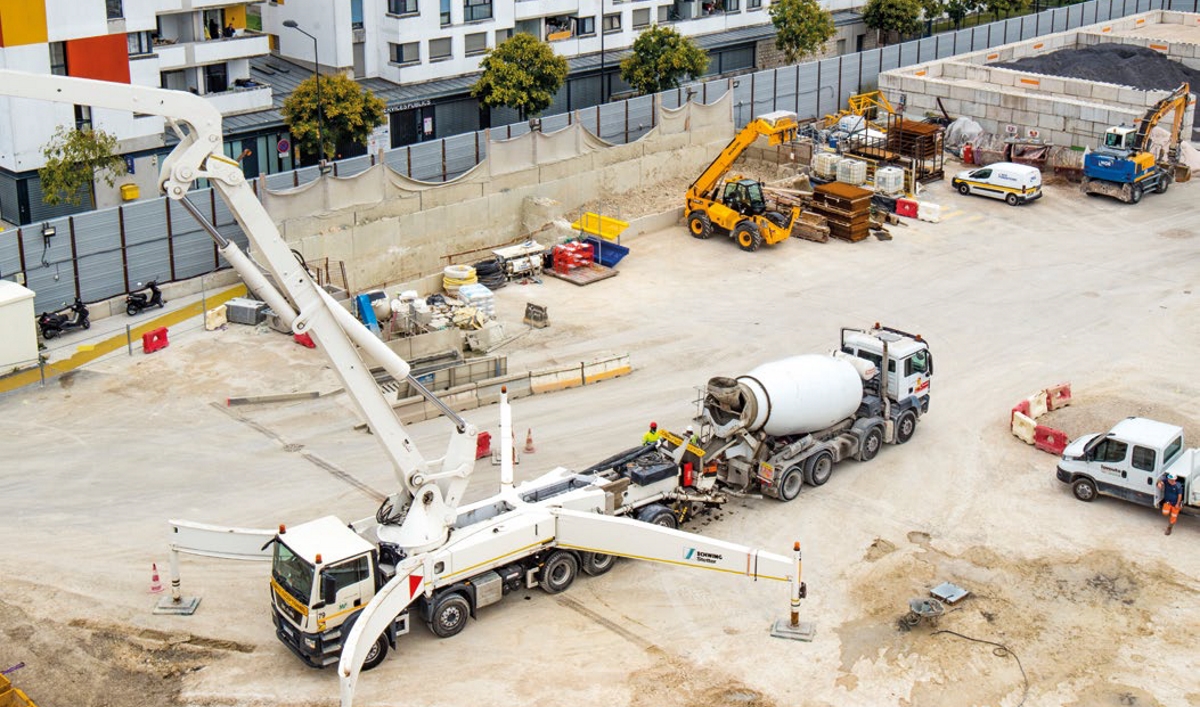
x=1128 y=461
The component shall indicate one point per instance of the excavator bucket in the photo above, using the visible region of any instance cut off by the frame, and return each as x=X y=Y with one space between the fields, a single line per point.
x=1183 y=173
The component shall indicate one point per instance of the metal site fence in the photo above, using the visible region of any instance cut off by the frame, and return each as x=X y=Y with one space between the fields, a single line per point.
x=105 y=253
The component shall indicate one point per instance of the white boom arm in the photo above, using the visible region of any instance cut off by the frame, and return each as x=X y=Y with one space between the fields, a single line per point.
x=575 y=530
x=431 y=490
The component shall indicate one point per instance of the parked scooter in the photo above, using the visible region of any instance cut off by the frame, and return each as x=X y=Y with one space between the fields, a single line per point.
x=54 y=323
x=135 y=302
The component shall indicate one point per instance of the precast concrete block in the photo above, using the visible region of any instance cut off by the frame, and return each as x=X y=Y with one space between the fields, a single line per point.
x=1002 y=77
x=1077 y=89
x=962 y=93
x=988 y=99
x=913 y=84
x=1064 y=137
x=1050 y=122
x=1105 y=92
x=1053 y=86
x=1013 y=100
x=1131 y=96
x=1025 y=118
x=1002 y=116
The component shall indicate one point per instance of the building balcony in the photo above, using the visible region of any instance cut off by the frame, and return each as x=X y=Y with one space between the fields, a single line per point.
x=533 y=9
x=210 y=51
x=241 y=100
x=216 y=4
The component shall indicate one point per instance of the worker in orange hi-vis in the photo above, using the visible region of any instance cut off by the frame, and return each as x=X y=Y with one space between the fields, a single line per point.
x=651 y=437
x=1172 y=499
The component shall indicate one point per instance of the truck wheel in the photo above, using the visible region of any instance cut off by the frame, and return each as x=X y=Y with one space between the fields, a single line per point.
x=1012 y=200
x=819 y=468
x=964 y=189
x=1084 y=489
x=906 y=425
x=376 y=655
x=1135 y=194
x=790 y=484
x=748 y=236
x=699 y=225
x=450 y=614
x=872 y=442
x=559 y=572
x=657 y=514
x=1161 y=187
x=597 y=563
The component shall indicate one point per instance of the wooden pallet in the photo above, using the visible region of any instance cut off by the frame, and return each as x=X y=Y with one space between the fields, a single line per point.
x=585 y=275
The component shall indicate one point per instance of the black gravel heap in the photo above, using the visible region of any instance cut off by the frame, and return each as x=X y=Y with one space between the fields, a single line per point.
x=1121 y=64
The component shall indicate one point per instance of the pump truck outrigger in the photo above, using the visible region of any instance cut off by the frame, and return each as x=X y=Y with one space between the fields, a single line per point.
x=347 y=590
x=737 y=205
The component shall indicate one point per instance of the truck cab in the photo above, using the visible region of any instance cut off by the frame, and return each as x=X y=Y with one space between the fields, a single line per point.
x=322 y=573
x=1128 y=461
x=910 y=364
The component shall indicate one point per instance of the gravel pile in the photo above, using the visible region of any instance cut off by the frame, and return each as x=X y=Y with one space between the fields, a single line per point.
x=1121 y=64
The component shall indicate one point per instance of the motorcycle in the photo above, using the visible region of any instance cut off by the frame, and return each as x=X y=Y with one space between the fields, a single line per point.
x=135 y=302
x=54 y=323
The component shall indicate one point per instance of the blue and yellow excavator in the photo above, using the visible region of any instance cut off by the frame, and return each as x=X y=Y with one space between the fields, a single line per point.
x=1124 y=168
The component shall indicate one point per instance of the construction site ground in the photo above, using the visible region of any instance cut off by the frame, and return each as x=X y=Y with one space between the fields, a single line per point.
x=1098 y=605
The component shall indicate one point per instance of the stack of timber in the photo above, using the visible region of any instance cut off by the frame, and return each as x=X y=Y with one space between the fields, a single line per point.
x=846 y=208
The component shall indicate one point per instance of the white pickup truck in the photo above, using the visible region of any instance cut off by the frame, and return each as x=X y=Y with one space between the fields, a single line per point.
x=1128 y=461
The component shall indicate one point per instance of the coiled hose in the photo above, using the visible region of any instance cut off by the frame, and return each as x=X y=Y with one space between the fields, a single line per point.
x=491 y=273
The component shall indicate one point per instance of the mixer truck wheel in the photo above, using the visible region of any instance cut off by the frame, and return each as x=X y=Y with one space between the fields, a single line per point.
x=699 y=225
x=906 y=424
x=872 y=442
x=376 y=655
x=597 y=563
x=790 y=484
x=820 y=468
x=559 y=572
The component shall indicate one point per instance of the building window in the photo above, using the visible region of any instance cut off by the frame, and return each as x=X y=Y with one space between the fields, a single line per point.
x=445 y=13
x=585 y=26
x=356 y=14
x=476 y=43
x=409 y=53
x=664 y=14
x=753 y=4
x=58 y=58
x=83 y=118
x=475 y=10
x=641 y=18
x=612 y=23
x=402 y=7
x=503 y=35
x=139 y=43
x=216 y=80
x=115 y=9
x=440 y=49
x=733 y=6
x=174 y=80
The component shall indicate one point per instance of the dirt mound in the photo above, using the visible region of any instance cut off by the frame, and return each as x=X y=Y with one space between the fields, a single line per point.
x=1122 y=64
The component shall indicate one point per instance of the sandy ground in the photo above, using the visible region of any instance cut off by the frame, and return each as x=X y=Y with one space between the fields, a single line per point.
x=1098 y=606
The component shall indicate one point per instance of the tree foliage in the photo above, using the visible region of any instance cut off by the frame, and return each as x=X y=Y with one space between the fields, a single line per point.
x=661 y=57
x=350 y=114
x=1006 y=6
x=802 y=27
x=523 y=73
x=74 y=158
x=893 y=16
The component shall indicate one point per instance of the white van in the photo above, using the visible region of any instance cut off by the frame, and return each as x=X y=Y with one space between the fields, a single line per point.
x=1015 y=183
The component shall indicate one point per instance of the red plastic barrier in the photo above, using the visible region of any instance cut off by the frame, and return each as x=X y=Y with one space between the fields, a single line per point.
x=906 y=207
x=304 y=340
x=483 y=445
x=1058 y=396
x=1021 y=407
x=1049 y=439
x=155 y=340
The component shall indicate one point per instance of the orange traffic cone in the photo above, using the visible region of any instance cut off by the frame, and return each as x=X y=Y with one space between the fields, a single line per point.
x=529 y=448
x=156 y=585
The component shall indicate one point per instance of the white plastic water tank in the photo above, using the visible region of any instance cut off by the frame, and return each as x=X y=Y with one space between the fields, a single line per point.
x=852 y=172
x=800 y=394
x=889 y=181
x=824 y=164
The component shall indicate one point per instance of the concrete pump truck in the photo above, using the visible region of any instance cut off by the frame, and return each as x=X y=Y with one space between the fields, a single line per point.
x=342 y=593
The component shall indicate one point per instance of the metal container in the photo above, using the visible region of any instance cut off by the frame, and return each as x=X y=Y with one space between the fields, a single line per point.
x=243 y=310
x=791 y=396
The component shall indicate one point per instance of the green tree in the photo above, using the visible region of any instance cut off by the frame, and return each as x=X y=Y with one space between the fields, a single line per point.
x=350 y=113
x=74 y=159
x=1006 y=6
x=959 y=9
x=893 y=16
x=802 y=27
x=523 y=73
x=661 y=57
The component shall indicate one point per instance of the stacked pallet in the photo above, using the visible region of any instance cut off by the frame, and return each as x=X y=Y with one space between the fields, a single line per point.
x=846 y=208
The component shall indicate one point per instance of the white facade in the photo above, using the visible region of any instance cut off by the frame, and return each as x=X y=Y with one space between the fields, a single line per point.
x=410 y=41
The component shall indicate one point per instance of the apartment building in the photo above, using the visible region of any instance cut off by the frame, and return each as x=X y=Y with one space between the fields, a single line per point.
x=434 y=47
x=203 y=46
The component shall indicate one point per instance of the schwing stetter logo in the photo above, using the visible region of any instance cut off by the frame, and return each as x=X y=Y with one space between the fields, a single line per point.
x=708 y=558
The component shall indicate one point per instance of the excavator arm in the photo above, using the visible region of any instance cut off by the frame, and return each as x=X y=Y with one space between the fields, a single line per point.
x=426 y=505
x=1177 y=102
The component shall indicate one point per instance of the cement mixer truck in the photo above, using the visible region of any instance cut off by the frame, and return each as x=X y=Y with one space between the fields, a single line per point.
x=788 y=422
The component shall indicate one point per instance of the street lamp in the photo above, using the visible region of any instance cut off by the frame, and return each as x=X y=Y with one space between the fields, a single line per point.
x=317 y=73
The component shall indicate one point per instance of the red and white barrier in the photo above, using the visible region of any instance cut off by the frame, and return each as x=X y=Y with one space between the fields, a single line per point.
x=1024 y=415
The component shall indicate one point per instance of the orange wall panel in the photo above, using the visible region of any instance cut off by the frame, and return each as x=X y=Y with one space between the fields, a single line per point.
x=22 y=22
x=105 y=57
